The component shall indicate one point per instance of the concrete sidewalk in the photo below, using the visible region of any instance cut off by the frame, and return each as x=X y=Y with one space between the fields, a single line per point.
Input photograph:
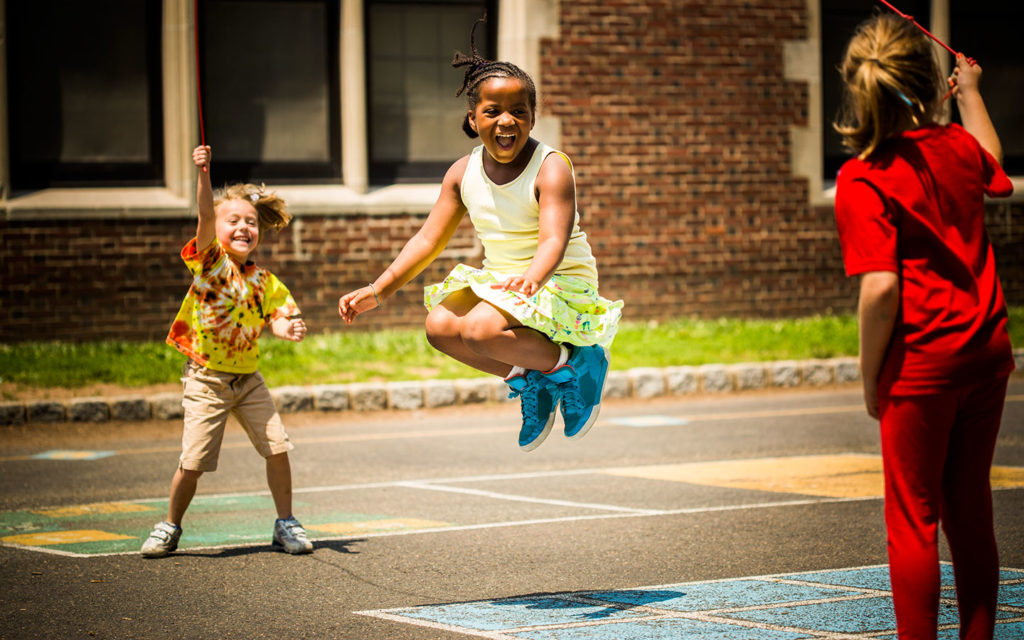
x=639 y=383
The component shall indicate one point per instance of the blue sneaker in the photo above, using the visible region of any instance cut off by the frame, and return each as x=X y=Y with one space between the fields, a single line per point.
x=538 y=407
x=580 y=382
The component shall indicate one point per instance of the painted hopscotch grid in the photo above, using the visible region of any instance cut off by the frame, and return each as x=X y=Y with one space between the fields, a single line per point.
x=838 y=604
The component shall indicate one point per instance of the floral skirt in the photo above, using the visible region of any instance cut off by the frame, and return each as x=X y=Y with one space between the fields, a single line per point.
x=566 y=309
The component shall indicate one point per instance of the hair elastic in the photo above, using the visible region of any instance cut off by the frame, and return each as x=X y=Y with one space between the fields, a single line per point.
x=375 y=296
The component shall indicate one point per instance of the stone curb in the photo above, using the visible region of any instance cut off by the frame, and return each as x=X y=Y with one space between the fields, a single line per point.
x=640 y=383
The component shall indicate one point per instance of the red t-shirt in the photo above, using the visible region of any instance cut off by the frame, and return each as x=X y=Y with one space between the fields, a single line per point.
x=916 y=207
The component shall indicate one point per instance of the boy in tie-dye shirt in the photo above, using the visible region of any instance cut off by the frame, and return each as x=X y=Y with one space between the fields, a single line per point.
x=218 y=328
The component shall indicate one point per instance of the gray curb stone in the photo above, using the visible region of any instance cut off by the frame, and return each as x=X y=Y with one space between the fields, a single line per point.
x=330 y=397
x=714 y=378
x=130 y=408
x=617 y=385
x=640 y=382
x=88 y=410
x=473 y=390
x=405 y=395
x=647 y=382
x=366 y=396
x=293 y=399
x=748 y=376
x=12 y=413
x=167 y=406
x=785 y=373
x=818 y=372
x=439 y=393
x=681 y=380
x=46 y=411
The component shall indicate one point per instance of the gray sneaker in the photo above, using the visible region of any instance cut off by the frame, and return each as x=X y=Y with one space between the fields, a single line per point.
x=290 y=535
x=163 y=540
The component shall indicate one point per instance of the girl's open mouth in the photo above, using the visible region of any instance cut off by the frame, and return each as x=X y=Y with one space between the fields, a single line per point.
x=505 y=141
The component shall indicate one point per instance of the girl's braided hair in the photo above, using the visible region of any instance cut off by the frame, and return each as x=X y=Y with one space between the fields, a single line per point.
x=892 y=81
x=479 y=69
x=271 y=209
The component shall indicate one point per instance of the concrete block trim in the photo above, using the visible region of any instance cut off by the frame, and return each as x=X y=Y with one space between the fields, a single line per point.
x=639 y=382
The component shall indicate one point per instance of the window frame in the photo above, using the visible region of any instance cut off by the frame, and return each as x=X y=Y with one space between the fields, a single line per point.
x=28 y=177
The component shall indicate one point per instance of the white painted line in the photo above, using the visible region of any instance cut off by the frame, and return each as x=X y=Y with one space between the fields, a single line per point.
x=517 y=498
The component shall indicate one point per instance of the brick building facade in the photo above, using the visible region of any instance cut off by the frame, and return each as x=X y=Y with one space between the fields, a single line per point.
x=680 y=119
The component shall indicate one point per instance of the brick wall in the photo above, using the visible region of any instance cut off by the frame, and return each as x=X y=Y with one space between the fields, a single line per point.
x=677 y=118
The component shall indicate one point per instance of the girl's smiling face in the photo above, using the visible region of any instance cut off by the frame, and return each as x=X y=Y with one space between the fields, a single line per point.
x=503 y=118
x=238 y=228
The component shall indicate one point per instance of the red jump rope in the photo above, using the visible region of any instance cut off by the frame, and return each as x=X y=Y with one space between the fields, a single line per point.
x=952 y=83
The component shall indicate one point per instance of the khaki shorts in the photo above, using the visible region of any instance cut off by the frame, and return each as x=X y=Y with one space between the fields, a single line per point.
x=209 y=397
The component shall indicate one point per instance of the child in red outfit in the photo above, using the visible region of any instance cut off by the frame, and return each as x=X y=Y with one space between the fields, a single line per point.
x=935 y=353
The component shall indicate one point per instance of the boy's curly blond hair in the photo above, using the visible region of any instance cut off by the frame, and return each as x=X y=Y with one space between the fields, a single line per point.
x=272 y=211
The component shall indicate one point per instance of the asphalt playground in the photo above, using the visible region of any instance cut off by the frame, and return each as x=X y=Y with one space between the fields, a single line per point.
x=751 y=516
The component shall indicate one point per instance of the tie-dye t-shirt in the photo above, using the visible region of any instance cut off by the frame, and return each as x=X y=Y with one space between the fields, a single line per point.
x=220 y=320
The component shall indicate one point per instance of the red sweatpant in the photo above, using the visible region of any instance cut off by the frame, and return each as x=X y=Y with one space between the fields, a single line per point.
x=937 y=455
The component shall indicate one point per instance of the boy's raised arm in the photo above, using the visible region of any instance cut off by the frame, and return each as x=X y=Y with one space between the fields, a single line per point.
x=206 y=227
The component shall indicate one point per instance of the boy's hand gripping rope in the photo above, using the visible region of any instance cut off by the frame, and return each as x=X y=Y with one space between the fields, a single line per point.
x=972 y=61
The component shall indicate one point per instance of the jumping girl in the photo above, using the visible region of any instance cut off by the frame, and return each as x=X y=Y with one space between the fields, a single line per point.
x=532 y=314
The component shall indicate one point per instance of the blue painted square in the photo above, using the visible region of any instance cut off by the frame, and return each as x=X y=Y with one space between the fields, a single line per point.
x=720 y=595
x=1007 y=631
x=661 y=629
x=865 y=578
x=494 y=615
x=863 y=615
x=1012 y=595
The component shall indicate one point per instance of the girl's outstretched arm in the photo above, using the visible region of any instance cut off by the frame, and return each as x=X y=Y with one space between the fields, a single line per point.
x=876 y=311
x=418 y=252
x=556 y=194
x=972 y=108
x=206 y=228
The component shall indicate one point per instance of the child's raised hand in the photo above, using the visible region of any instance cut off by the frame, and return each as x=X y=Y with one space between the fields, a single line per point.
x=359 y=301
x=293 y=329
x=201 y=156
x=966 y=75
x=518 y=284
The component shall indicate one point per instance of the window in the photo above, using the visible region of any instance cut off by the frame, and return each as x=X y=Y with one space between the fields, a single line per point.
x=415 y=120
x=269 y=79
x=987 y=30
x=839 y=20
x=983 y=29
x=84 y=93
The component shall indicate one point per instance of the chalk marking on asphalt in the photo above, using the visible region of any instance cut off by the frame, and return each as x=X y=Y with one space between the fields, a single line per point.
x=653 y=613
x=428 y=486
x=439 y=433
x=494 y=525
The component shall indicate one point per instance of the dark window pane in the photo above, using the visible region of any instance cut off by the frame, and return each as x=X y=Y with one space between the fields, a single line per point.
x=84 y=93
x=987 y=30
x=839 y=20
x=415 y=118
x=270 y=90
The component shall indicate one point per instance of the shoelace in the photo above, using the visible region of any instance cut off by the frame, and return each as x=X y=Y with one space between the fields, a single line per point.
x=529 y=399
x=572 y=401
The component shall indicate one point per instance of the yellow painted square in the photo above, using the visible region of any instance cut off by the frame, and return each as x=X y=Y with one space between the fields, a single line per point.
x=376 y=526
x=1007 y=477
x=97 y=508
x=833 y=476
x=63 y=537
